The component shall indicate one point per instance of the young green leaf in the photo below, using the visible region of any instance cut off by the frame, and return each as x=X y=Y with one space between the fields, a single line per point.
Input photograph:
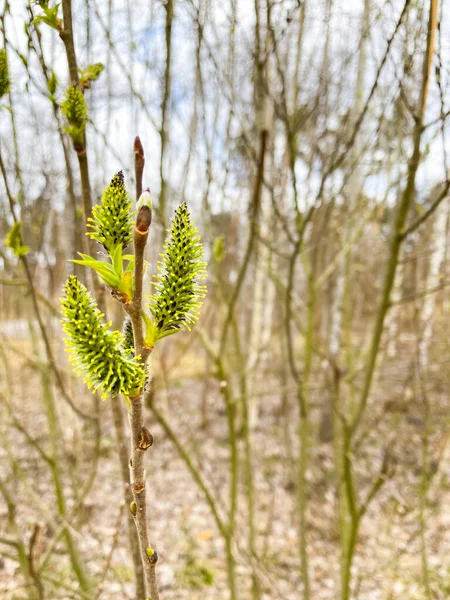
x=130 y=259
x=126 y=285
x=49 y=16
x=219 y=249
x=13 y=241
x=90 y=73
x=116 y=258
x=113 y=274
x=52 y=84
x=105 y=270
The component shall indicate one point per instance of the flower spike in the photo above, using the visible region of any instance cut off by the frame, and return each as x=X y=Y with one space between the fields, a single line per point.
x=177 y=300
x=74 y=109
x=128 y=335
x=97 y=354
x=4 y=73
x=112 y=220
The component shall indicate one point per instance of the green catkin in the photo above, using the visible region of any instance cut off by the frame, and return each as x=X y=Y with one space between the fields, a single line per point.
x=4 y=73
x=178 y=295
x=96 y=353
x=74 y=107
x=128 y=335
x=112 y=221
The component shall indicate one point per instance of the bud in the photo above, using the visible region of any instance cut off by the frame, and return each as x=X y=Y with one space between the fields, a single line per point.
x=128 y=335
x=89 y=74
x=145 y=439
x=144 y=207
x=139 y=149
x=152 y=556
x=133 y=508
x=145 y=199
x=143 y=219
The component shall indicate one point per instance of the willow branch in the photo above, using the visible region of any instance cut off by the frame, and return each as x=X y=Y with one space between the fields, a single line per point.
x=404 y=202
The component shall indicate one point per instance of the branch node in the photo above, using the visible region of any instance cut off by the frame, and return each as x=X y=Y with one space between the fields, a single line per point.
x=145 y=439
x=152 y=556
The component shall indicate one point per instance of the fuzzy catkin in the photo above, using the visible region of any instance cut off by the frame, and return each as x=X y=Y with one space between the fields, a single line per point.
x=4 y=73
x=112 y=220
x=178 y=295
x=128 y=335
x=74 y=107
x=96 y=353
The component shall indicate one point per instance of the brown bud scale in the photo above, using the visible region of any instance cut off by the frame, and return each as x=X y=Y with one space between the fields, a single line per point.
x=143 y=219
x=145 y=439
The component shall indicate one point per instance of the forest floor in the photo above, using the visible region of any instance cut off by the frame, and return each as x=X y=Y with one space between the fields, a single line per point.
x=389 y=558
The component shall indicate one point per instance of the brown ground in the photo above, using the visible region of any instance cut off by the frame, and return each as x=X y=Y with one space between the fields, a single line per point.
x=388 y=563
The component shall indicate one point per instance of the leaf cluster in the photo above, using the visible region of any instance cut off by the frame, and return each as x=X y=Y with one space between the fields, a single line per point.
x=89 y=74
x=118 y=275
x=13 y=241
x=49 y=15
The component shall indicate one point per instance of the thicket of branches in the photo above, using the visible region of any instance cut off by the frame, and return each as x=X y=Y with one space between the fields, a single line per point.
x=310 y=141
